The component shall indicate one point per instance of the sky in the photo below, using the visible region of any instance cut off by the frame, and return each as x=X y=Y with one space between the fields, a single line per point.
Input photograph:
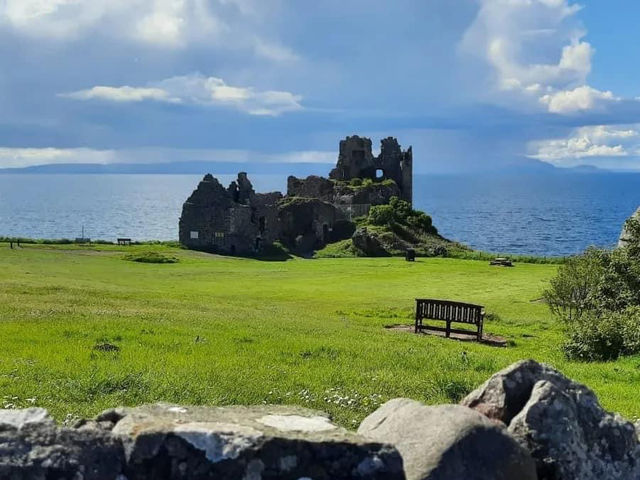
x=473 y=85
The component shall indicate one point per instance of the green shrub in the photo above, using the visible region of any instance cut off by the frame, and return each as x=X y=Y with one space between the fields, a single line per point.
x=632 y=240
x=606 y=336
x=381 y=215
x=596 y=281
x=388 y=182
x=400 y=212
x=150 y=257
x=597 y=296
x=355 y=182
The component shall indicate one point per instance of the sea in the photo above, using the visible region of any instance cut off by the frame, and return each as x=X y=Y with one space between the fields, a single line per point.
x=534 y=214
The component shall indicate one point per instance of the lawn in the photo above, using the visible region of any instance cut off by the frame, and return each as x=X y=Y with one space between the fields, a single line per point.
x=83 y=329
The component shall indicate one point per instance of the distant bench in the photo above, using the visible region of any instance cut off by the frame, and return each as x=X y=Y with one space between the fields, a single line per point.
x=124 y=241
x=450 y=312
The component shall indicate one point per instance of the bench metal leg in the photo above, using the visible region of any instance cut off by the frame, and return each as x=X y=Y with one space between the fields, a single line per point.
x=448 y=329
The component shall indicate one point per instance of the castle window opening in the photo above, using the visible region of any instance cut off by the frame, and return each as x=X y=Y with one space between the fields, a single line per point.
x=194 y=235
x=379 y=174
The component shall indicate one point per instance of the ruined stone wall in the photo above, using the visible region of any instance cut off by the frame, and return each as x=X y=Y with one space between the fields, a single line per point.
x=235 y=220
x=308 y=224
x=397 y=165
x=205 y=219
x=356 y=160
x=407 y=176
x=311 y=187
x=265 y=212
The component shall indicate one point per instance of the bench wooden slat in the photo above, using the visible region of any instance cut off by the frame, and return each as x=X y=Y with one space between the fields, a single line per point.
x=449 y=311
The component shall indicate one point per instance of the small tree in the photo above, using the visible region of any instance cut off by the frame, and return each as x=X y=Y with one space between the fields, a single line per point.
x=574 y=288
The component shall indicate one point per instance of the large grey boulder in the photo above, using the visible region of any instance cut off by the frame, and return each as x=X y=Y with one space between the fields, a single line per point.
x=560 y=422
x=250 y=443
x=368 y=243
x=448 y=442
x=505 y=394
x=32 y=447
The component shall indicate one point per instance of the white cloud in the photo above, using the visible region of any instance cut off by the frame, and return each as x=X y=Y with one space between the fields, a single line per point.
x=59 y=18
x=26 y=157
x=579 y=99
x=122 y=94
x=156 y=22
x=200 y=90
x=594 y=142
x=536 y=49
x=525 y=41
x=225 y=24
x=164 y=25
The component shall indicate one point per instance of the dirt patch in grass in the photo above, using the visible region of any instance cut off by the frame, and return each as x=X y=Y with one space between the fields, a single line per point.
x=150 y=257
x=487 y=338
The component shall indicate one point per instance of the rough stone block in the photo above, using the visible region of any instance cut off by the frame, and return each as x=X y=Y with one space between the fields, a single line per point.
x=448 y=442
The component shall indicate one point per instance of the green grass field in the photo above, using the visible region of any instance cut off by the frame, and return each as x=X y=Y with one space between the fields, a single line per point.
x=82 y=329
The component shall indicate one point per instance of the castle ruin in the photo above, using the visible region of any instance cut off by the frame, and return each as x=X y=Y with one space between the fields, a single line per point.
x=315 y=211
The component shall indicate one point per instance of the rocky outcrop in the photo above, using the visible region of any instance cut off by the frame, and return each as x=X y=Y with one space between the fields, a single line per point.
x=448 y=442
x=560 y=422
x=368 y=243
x=624 y=235
x=161 y=442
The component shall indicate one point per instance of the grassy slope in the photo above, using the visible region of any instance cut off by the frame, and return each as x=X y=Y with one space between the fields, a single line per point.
x=213 y=330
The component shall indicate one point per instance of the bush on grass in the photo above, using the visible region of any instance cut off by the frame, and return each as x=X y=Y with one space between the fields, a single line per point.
x=398 y=211
x=150 y=257
x=597 y=296
x=603 y=337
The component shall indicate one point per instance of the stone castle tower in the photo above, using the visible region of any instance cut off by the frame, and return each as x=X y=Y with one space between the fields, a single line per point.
x=356 y=160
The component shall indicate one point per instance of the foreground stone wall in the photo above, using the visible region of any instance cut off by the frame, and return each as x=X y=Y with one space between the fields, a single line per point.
x=526 y=422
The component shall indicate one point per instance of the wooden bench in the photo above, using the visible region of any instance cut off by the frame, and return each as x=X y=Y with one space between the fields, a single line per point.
x=450 y=312
x=124 y=241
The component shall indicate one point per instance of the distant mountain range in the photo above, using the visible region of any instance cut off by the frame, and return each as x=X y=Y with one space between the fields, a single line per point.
x=177 y=168
x=528 y=166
